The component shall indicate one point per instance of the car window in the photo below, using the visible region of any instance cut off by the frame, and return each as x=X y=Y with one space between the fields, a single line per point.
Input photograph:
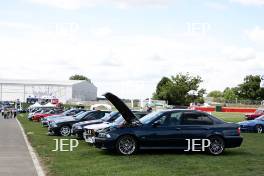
x=151 y=117
x=104 y=114
x=90 y=116
x=94 y=115
x=81 y=115
x=171 y=119
x=140 y=115
x=109 y=116
x=190 y=118
x=119 y=120
x=260 y=118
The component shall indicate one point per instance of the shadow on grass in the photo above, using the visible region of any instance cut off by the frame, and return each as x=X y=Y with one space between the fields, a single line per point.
x=178 y=152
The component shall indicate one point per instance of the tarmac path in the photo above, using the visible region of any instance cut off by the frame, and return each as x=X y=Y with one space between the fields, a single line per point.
x=15 y=159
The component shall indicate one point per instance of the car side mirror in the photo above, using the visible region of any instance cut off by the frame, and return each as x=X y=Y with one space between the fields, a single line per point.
x=156 y=123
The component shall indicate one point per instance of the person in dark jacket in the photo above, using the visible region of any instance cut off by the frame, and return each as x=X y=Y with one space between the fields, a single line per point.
x=14 y=113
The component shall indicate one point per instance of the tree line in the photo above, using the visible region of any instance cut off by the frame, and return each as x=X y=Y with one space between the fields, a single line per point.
x=183 y=89
x=249 y=89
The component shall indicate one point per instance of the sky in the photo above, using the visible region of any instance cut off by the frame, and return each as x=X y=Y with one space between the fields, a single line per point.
x=127 y=46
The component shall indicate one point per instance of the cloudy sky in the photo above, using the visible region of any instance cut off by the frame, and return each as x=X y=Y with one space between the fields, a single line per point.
x=126 y=46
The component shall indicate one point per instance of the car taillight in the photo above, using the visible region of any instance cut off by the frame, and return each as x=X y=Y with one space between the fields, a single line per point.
x=238 y=131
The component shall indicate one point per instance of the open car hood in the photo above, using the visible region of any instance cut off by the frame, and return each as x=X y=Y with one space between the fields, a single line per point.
x=122 y=108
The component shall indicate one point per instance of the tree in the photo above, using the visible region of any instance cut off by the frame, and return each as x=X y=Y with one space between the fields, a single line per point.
x=230 y=94
x=215 y=94
x=250 y=88
x=79 y=77
x=161 y=93
x=176 y=89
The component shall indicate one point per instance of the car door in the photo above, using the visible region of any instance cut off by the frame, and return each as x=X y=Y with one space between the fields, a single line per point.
x=164 y=132
x=195 y=125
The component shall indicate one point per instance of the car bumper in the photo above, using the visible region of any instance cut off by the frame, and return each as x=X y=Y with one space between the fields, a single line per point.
x=89 y=138
x=44 y=123
x=251 y=117
x=77 y=132
x=103 y=143
x=247 y=129
x=53 y=130
x=233 y=141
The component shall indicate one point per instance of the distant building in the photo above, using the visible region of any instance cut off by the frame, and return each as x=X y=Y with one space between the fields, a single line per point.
x=70 y=90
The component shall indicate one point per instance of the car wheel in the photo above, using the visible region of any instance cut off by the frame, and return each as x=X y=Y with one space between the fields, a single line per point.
x=65 y=131
x=217 y=145
x=126 y=145
x=259 y=129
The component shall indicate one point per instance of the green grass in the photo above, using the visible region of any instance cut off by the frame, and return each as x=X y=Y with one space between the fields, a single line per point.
x=87 y=160
x=230 y=117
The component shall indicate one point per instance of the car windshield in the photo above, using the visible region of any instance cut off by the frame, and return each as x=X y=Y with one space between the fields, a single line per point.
x=42 y=111
x=119 y=120
x=50 y=112
x=260 y=118
x=79 y=113
x=108 y=116
x=45 y=110
x=66 y=112
x=79 y=117
x=150 y=117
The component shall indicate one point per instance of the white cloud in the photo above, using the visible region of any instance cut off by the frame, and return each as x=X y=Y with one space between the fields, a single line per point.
x=256 y=34
x=66 y=4
x=77 y=4
x=239 y=54
x=101 y=31
x=216 y=5
x=15 y=25
x=250 y=2
x=129 y=65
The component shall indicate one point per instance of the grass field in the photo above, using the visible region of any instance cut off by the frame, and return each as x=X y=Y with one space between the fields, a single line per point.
x=86 y=160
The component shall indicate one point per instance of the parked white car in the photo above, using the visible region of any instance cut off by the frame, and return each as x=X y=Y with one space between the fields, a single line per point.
x=89 y=130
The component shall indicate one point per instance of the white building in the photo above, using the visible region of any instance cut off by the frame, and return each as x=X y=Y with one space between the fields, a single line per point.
x=70 y=90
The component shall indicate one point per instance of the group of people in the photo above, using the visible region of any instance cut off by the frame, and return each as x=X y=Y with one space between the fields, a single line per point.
x=9 y=113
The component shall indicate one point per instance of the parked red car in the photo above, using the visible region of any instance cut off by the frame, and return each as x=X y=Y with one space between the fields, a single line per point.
x=259 y=112
x=37 y=117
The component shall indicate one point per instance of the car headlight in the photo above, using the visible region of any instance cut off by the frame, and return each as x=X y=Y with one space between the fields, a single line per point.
x=53 y=124
x=104 y=135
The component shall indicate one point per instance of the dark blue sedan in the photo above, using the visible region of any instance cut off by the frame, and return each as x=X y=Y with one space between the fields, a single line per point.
x=168 y=129
x=256 y=125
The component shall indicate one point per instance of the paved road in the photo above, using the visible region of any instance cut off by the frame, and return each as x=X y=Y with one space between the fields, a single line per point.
x=15 y=159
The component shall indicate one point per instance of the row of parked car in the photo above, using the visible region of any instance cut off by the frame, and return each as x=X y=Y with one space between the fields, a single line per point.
x=127 y=131
x=254 y=122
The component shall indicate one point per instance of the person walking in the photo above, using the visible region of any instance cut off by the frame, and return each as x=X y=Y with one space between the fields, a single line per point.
x=5 y=113
x=15 y=113
x=11 y=113
x=149 y=109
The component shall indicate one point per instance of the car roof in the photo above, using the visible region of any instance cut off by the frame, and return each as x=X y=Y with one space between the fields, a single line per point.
x=180 y=110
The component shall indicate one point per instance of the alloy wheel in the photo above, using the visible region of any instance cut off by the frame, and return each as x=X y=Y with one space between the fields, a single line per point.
x=216 y=145
x=65 y=131
x=126 y=145
x=259 y=129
